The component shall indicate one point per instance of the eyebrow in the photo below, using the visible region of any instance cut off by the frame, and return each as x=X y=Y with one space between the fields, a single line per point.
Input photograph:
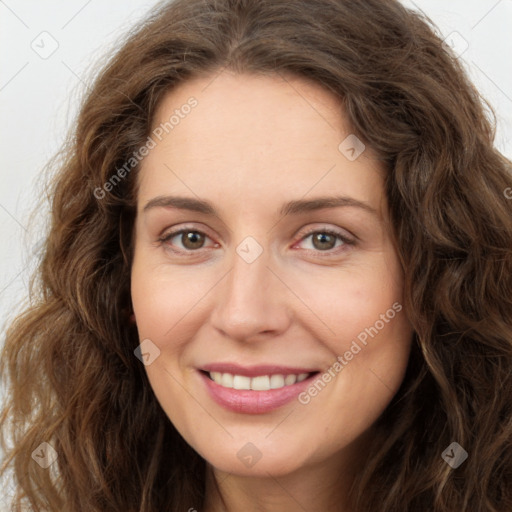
x=290 y=208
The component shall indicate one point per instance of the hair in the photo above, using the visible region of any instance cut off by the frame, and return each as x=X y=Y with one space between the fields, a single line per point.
x=69 y=369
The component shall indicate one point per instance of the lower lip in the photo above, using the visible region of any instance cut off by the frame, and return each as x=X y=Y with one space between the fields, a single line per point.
x=248 y=401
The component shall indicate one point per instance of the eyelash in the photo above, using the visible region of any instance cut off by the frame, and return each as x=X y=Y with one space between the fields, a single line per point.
x=164 y=239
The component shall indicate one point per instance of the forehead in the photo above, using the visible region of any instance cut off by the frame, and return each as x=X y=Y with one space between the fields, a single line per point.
x=253 y=136
x=273 y=112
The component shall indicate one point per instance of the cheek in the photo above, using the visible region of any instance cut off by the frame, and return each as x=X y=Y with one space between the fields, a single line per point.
x=369 y=338
x=161 y=302
x=367 y=330
x=350 y=300
x=150 y=299
x=164 y=299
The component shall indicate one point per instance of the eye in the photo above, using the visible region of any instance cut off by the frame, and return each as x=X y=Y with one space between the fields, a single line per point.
x=325 y=240
x=190 y=239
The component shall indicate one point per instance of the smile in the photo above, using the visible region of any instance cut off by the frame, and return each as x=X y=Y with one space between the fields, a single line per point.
x=254 y=390
x=260 y=383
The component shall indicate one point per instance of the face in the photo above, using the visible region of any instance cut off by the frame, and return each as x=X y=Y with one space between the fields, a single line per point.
x=263 y=260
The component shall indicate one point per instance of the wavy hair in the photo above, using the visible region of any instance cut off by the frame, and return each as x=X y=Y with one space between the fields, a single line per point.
x=68 y=364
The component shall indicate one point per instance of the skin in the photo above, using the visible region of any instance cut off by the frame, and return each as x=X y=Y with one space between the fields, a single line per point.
x=251 y=144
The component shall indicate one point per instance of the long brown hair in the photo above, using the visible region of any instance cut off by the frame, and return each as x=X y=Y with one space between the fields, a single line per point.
x=68 y=363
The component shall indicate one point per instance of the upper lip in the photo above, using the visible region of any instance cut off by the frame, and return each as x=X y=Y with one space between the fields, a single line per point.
x=255 y=370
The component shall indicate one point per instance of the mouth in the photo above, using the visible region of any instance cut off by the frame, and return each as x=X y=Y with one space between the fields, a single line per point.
x=254 y=390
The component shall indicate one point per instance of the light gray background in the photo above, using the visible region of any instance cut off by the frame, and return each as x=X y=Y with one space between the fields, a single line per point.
x=38 y=96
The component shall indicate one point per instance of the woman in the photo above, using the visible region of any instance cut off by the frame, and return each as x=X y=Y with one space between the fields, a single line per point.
x=277 y=277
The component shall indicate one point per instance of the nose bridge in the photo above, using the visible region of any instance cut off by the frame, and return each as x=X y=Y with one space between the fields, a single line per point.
x=250 y=301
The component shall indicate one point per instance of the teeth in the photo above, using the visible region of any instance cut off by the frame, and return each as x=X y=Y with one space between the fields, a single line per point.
x=290 y=379
x=276 y=381
x=241 y=382
x=226 y=380
x=260 y=383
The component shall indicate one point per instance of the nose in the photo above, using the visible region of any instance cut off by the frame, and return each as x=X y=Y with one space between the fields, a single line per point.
x=251 y=302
